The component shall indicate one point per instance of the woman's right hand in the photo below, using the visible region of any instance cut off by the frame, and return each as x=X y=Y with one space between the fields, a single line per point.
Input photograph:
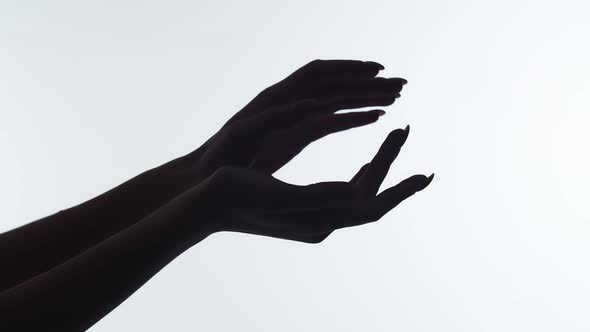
x=245 y=200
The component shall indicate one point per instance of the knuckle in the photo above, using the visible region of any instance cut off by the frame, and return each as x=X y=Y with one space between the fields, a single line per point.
x=236 y=131
x=266 y=92
x=312 y=65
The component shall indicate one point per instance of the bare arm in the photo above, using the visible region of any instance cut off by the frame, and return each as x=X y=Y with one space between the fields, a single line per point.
x=38 y=246
x=76 y=294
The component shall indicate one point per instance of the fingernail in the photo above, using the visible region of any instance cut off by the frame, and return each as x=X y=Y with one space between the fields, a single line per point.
x=405 y=136
x=404 y=81
x=380 y=66
x=381 y=113
x=429 y=179
x=397 y=95
x=426 y=183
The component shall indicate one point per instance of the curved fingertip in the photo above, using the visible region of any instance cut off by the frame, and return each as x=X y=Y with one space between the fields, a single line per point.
x=430 y=178
x=402 y=81
x=416 y=179
x=375 y=116
x=398 y=136
x=425 y=181
x=393 y=142
x=412 y=184
x=378 y=112
x=362 y=118
x=380 y=66
x=405 y=136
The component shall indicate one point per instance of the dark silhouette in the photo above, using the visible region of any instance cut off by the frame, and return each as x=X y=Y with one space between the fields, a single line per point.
x=66 y=271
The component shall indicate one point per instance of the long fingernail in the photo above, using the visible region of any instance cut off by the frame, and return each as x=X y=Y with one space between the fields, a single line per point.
x=426 y=182
x=381 y=113
x=404 y=81
x=405 y=135
x=429 y=179
x=380 y=66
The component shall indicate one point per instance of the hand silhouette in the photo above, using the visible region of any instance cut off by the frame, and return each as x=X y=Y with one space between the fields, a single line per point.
x=287 y=116
x=344 y=81
x=248 y=201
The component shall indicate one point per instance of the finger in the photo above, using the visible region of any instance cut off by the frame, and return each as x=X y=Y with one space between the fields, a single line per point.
x=325 y=87
x=249 y=188
x=279 y=148
x=279 y=117
x=391 y=197
x=325 y=219
x=348 y=102
x=292 y=87
x=375 y=174
x=352 y=101
x=336 y=69
x=359 y=173
x=354 y=214
x=333 y=88
x=317 y=127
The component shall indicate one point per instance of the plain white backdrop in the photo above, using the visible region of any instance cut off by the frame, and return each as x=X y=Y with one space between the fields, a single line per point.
x=93 y=93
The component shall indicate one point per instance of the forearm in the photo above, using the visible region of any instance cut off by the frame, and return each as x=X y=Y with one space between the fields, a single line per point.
x=76 y=294
x=40 y=245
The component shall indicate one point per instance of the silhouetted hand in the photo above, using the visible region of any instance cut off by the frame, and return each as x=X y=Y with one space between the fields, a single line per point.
x=287 y=116
x=245 y=200
x=350 y=82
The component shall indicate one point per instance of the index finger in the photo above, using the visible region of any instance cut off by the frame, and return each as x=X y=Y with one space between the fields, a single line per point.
x=337 y=69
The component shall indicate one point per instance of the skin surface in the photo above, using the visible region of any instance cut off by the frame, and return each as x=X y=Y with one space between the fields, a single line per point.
x=68 y=270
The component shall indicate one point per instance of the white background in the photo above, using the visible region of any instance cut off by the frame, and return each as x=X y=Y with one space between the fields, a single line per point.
x=93 y=93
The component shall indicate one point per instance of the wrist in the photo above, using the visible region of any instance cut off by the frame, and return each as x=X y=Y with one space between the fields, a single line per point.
x=195 y=218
